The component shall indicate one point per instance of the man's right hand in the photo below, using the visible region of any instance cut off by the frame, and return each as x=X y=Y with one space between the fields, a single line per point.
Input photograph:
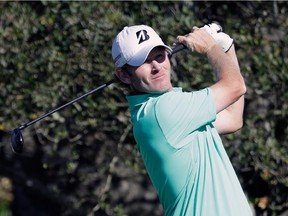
x=198 y=40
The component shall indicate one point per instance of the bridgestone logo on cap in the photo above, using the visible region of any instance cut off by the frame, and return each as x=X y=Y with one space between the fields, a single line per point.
x=142 y=36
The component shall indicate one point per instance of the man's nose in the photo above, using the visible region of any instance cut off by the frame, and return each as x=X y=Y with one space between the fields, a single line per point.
x=156 y=66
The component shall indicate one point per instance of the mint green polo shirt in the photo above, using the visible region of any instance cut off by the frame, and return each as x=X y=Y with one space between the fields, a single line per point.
x=184 y=155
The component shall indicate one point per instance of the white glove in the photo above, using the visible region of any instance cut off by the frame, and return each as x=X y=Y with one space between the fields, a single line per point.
x=222 y=39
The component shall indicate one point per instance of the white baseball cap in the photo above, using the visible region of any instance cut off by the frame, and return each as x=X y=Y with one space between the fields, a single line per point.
x=133 y=45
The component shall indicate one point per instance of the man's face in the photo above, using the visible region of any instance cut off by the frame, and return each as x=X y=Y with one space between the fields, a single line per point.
x=153 y=75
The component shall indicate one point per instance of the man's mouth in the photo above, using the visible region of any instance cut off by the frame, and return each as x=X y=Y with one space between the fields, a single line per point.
x=158 y=76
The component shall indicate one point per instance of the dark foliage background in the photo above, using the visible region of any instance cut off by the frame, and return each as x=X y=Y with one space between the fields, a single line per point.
x=83 y=160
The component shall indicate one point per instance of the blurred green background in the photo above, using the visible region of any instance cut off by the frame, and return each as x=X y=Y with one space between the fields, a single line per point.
x=83 y=160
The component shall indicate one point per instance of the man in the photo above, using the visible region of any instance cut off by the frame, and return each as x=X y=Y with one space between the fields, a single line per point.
x=177 y=133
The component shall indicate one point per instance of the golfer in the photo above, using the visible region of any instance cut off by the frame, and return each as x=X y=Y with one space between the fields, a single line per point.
x=177 y=132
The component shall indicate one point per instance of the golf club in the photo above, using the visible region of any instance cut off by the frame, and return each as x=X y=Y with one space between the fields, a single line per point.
x=17 y=141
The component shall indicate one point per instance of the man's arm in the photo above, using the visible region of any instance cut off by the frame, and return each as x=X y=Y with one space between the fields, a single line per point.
x=230 y=87
x=231 y=119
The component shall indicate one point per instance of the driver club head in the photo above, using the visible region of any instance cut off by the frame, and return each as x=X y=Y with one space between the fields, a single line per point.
x=17 y=141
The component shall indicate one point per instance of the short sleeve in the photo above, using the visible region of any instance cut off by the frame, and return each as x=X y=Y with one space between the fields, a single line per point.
x=181 y=113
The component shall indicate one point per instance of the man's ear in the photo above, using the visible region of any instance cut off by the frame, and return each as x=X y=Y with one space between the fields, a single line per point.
x=123 y=76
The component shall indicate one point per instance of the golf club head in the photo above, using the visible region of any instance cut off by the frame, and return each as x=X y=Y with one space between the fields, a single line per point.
x=17 y=141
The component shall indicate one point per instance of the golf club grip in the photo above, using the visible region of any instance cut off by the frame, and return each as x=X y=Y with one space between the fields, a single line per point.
x=178 y=48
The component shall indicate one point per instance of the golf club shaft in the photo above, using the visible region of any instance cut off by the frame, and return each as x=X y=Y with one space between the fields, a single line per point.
x=67 y=104
x=175 y=49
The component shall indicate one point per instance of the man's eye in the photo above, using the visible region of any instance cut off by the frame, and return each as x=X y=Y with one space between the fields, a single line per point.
x=160 y=57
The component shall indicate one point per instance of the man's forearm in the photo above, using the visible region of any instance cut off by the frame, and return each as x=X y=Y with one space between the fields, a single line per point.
x=225 y=69
x=230 y=85
x=239 y=105
x=231 y=119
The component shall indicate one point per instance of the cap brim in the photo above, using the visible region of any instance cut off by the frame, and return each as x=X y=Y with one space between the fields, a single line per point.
x=140 y=57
